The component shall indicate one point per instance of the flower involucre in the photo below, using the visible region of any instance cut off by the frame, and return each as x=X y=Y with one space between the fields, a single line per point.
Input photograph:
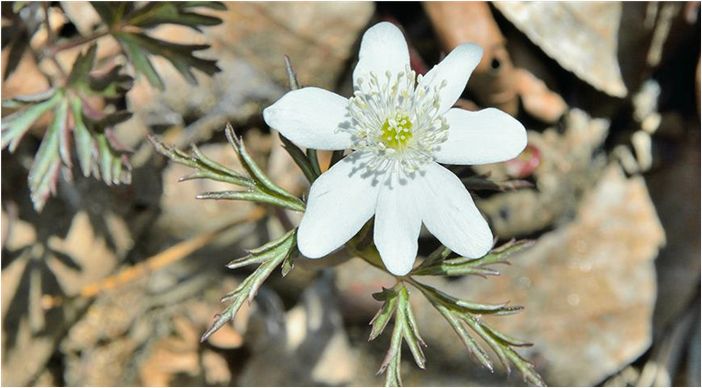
x=400 y=127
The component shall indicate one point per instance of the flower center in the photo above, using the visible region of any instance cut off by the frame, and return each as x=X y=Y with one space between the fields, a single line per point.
x=395 y=117
x=396 y=131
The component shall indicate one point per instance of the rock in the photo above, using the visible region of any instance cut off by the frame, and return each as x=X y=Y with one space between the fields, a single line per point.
x=570 y=162
x=582 y=37
x=308 y=345
x=588 y=288
x=537 y=99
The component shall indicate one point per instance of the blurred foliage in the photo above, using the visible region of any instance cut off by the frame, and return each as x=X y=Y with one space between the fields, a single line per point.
x=97 y=152
x=126 y=22
x=83 y=102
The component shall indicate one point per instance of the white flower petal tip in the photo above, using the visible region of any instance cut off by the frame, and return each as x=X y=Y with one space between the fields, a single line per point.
x=340 y=201
x=398 y=265
x=311 y=117
x=485 y=136
x=451 y=75
x=383 y=49
x=450 y=214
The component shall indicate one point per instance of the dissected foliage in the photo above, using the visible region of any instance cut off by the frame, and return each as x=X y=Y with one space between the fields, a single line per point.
x=76 y=125
x=127 y=23
x=81 y=108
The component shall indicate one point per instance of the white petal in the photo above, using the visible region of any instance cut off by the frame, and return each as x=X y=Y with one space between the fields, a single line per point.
x=397 y=225
x=310 y=117
x=449 y=214
x=455 y=70
x=383 y=48
x=340 y=201
x=486 y=136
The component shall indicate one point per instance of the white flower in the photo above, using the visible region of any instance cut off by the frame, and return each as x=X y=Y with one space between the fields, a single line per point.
x=399 y=130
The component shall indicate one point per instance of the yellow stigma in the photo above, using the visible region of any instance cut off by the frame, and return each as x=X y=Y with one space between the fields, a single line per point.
x=396 y=131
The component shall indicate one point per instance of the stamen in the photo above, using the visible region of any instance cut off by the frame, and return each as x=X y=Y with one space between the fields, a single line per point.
x=397 y=120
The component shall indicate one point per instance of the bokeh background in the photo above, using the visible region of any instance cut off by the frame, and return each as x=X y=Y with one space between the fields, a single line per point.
x=113 y=285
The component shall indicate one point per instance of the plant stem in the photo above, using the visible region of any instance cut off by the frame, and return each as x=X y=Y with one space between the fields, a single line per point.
x=51 y=38
x=51 y=51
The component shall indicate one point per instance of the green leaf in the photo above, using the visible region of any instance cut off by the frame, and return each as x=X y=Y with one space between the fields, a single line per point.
x=254 y=196
x=283 y=248
x=112 y=83
x=255 y=172
x=82 y=66
x=396 y=301
x=139 y=46
x=85 y=145
x=288 y=265
x=382 y=317
x=43 y=175
x=23 y=101
x=105 y=161
x=258 y=187
x=155 y=13
x=139 y=58
x=465 y=266
x=16 y=125
x=473 y=348
x=272 y=249
x=60 y=124
x=462 y=315
x=206 y=168
x=299 y=158
x=111 y=12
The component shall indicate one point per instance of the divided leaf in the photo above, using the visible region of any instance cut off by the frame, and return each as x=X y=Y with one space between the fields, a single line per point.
x=98 y=155
x=205 y=167
x=269 y=256
x=397 y=304
x=257 y=187
x=127 y=24
x=16 y=125
x=463 y=315
x=155 y=13
x=437 y=264
x=139 y=47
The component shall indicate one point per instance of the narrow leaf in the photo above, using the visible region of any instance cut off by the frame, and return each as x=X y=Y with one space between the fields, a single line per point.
x=252 y=168
x=253 y=196
x=85 y=145
x=43 y=176
x=16 y=125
